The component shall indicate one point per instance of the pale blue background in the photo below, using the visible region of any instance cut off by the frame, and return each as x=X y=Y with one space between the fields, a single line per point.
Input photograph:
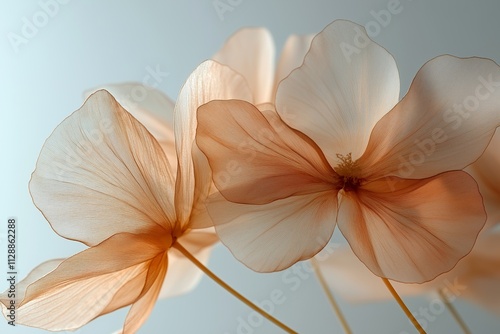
x=90 y=43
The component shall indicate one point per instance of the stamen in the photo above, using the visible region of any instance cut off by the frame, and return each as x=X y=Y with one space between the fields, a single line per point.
x=349 y=170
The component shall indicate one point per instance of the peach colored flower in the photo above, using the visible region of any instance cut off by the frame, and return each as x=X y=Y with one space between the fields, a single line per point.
x=104 y=180
x=476 y=277
x=347 y=152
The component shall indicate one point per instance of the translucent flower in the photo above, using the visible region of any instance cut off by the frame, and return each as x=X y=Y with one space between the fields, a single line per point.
x=104 y=180
x=340 y=149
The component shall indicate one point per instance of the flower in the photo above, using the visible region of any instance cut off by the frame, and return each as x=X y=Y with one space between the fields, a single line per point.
x=475 y=278
x=347 y=153
x=104 y=180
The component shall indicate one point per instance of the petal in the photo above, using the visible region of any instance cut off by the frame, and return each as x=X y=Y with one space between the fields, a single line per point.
x=413 y=230
x=151 y=108
x=183 y=275
x=141 y=309
x=251 y=53
x=292 y=56
x=210 y=81
x=101 y=172
x=83 y=286
x=37 y=273
x=278 y=234
x=444 y=122
x=345 y=85
x=255 y=157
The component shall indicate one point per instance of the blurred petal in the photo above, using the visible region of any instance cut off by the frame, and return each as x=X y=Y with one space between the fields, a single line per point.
x=255 y=157
x=413 y=230
x=100 y=173
x=82 y=286
x=350 y=278
x=483 y=275
x=292 y=56
x=444 y=122
x=278 y=234
x=183 y=275
x=251 y=53
x=346 y=84
x=151 y=108
x=210 y=81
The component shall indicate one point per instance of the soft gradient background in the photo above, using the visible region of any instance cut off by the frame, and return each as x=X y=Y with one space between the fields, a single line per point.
x=91 y=43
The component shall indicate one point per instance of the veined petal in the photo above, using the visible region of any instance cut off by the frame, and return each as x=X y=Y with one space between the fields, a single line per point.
x=345 y=85
x=82 y=287
x=251 y=53
x=278 y=234
x=100 y=173
x=183 y=275
x=141 y=309
x=292 y=56
x=255 y=157
x=210 y=81
x=444 y=122
x=37 y=273
x=151 y=108
x=413 y=230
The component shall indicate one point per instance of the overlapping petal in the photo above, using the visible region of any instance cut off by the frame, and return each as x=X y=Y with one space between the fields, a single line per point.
x=210 y=81
x=345 y=85
x=413 y=230
x=101 y=173
x=255 y=157
x=444 y=122
x=277 y=234
x=292 y=56
x=91 y=283
x=251 y=52
x=151 y=108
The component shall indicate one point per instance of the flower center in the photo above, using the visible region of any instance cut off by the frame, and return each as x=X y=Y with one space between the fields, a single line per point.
x=349 y=172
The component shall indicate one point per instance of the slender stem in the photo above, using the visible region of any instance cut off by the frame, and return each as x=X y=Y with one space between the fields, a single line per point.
x=454 y=312
x=235 y=293
x=403 y=306
x=333 y=303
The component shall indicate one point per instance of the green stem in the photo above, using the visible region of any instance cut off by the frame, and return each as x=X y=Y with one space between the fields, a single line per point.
x=235 y=293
